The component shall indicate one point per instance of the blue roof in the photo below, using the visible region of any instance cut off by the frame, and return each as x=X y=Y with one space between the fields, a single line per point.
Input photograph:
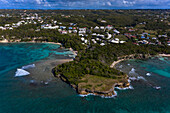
x=70 y=28
x=142 y=37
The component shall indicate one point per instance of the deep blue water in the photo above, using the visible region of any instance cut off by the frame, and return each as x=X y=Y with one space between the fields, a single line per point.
x=18 y=96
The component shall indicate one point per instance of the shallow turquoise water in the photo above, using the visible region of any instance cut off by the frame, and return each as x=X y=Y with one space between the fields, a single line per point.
x=18 y=96
x=15 y=55
x=160 y=66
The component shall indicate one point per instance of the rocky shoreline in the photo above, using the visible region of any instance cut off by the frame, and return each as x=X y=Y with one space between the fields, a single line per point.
x=106 y=94
x=111 y=92
x=85 y=92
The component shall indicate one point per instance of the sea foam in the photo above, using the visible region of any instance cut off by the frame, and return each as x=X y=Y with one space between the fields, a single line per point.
x=132 y=71
x=130 y=87
x=28 y=66
x=121 y=66
x=157 y=87
x=113 y=96
x=137 y=78
x=148 y=74
x=141 y=78
x=21 y=72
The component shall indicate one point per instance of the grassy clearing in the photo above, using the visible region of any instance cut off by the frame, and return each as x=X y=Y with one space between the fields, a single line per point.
x=97 y=83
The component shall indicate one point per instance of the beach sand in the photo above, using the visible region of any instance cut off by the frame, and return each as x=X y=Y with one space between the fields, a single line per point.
x=116 y=62
x=164 y=55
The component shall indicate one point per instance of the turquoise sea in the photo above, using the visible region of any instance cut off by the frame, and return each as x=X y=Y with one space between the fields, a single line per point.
x=21 y=95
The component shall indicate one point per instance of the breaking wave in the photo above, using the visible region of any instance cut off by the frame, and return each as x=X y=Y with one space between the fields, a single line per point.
x=28 y=66
x=113 y=96
x=130 y=87
x=21 y=72
x=137 y=78
x=148 y=74
x=132 y=72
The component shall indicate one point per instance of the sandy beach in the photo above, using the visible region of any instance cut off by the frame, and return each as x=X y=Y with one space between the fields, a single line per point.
x=164 y=55
x=52 y=43
x=116 y=62
x=6 y=41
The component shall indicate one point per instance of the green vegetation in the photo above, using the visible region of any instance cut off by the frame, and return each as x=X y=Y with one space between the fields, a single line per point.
x=74 y=71
x=91 y=68
x=97 y=60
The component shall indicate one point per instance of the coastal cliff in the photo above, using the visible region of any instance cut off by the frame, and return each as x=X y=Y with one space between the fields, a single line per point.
x=98 y=85
x=95 y=85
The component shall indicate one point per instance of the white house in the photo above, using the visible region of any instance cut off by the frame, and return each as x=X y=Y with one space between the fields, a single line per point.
x=94 y=41
x=82 y=39
x=97 y=39
x=82 y=30
x=81 y=35
x=69 y=31
x=122 y=42
x=50 y=27
x=2 y=28
x=116 y=31
x=100 y=36
x=102 y=27
x=109 y=36
x=102 y=44
x=94 y=34
x=96 y=28
x=63 y=32
x=10 y=28
x=109 y=27
x=115 y=41
x=103 y=21
x=85 y=41
x=7 y=25
x=75 y=31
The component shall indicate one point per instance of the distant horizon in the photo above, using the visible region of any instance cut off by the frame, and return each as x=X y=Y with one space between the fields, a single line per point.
x=78 y=9
x=84 y=4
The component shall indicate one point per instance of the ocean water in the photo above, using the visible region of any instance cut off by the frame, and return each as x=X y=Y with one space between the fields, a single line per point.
x=19 y=95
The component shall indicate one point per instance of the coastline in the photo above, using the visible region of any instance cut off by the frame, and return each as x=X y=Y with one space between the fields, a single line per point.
x=164 y=55
x=116 y=62
x=45 y=63
x=132 y=57
x=57 y=43
x=93 y=94
x=31 y=42
x=110 y=93
x=116 y=85
x=104 y=93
